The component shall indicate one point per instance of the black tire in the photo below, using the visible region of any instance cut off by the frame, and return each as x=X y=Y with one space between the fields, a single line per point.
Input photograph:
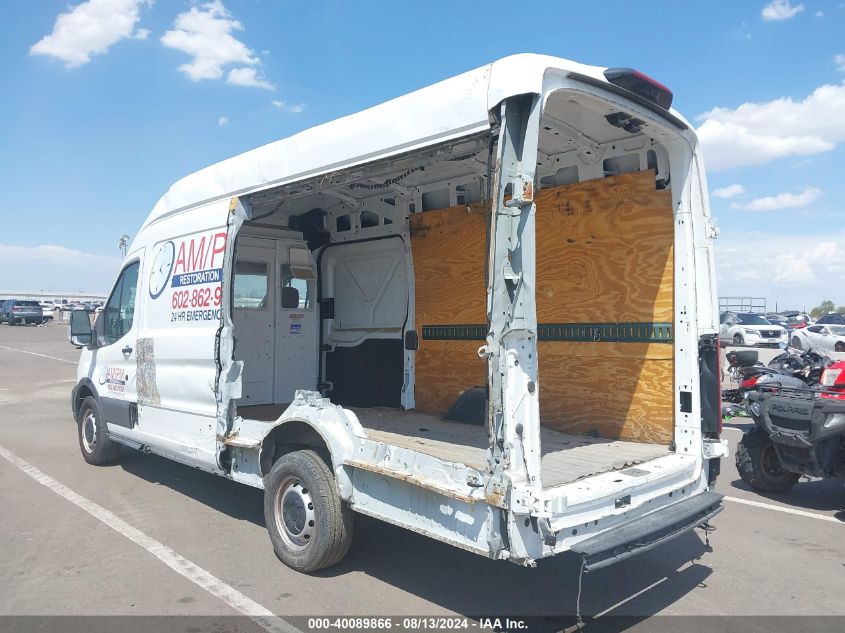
x=758 y=463
x=738 y=340
x=11 y=322
x=796 y=343
x=94 y=442
x=839 y=347
x=309 y=525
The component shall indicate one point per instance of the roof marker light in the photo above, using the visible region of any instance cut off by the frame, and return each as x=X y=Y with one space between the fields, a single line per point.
x=640 y=84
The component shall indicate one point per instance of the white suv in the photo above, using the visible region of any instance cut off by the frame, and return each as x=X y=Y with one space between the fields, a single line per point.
x=750 y=329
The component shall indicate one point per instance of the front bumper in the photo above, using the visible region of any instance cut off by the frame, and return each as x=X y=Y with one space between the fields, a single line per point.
x=799 y=417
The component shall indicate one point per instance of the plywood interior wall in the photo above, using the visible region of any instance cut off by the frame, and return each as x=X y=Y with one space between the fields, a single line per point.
x=449 y=250
x=604 y=254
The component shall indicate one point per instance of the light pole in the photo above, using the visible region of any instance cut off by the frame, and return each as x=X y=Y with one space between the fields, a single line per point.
x=123 y=243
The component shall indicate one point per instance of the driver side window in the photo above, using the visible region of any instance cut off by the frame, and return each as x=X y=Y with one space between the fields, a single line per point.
x=120 y=309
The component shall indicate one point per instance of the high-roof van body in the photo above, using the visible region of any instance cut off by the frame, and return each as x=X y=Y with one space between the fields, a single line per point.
x=483 y=311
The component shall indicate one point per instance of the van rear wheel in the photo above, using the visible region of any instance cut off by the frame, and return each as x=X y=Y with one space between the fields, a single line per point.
x=309 y=525
x=94 y=442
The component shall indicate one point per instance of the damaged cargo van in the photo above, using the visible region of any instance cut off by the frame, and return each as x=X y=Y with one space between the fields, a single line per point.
x=484 y=311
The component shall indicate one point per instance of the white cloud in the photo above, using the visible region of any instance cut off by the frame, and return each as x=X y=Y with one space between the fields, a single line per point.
x=248 y=77
x=205 y=33
x=839 y=60
x=729 y=192
x=756 y=133
x=223 y=120
x=295 y=108
x=780 y=10
x=795 y=271
x=781 y=201
x=819 y=14
x=91 y=28
x=55 y=268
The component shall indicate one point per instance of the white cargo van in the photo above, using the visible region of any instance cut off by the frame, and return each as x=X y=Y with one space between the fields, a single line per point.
x=484 y=311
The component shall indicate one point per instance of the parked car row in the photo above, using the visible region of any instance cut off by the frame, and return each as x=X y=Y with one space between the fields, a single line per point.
x=21 y=312
x=825 y=335
x=748 y=328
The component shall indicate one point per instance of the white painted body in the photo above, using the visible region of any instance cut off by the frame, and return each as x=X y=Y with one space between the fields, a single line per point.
x=823 y=339
x=732 y=329
x=191 y=373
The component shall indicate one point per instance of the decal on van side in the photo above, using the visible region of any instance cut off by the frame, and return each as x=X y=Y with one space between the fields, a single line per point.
x=189 y=271
x=116 y=380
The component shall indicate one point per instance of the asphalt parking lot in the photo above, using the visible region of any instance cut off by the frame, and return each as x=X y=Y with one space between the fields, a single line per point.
x=772 y=555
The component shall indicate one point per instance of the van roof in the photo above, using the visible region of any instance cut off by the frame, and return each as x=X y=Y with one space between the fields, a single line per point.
x=449 y=109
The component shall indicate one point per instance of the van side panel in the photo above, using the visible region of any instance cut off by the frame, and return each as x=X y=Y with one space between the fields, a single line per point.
x=180 y=293
x=604 y=256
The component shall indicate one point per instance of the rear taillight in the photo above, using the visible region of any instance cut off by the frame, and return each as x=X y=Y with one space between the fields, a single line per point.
x=641 y=85
x=17 y=309
x=833 y=376
x=750 y=383
x=833 y=380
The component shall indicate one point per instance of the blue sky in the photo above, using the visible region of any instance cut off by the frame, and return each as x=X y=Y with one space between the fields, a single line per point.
x=107 y=102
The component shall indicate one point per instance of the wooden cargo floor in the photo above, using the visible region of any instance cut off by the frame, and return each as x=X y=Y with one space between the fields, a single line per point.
x=565 y=458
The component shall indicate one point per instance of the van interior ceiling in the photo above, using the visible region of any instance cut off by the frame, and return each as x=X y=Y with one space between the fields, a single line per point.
x=369 y=286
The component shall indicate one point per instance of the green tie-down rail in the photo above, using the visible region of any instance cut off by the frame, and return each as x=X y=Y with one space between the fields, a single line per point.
x=621 y=332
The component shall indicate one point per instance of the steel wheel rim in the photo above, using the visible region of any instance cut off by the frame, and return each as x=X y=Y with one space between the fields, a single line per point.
x=295 y=516
x=89 y=432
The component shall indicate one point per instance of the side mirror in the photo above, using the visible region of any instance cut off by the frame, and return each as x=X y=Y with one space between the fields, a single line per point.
x=80 y=328
x=412 y=340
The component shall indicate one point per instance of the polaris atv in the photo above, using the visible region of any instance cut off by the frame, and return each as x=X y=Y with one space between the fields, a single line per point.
x=799 y=430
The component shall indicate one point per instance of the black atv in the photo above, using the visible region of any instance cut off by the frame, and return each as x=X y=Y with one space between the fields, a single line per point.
x=799 y=430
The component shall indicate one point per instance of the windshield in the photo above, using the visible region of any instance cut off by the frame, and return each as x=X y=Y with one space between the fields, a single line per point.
x=838 y=330
x=752 y=319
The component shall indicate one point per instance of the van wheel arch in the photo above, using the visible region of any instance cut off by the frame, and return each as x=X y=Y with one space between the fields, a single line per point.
x=289 y=436
x=84 y=389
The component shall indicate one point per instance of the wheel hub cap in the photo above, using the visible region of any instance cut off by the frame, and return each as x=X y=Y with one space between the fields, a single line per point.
x=89 y=432
x=295 y=516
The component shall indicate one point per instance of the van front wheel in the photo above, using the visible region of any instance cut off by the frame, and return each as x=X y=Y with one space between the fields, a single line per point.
x=309 y=525
x=94 y=442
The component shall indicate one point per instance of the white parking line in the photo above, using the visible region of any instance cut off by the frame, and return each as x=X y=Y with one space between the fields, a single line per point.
x=23 y=351
x=262 y=616
x=771 y=506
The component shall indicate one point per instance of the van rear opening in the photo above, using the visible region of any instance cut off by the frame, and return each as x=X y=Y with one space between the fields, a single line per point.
x=604 y=297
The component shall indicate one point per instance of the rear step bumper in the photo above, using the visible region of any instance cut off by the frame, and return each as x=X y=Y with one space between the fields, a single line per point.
x=648 y=531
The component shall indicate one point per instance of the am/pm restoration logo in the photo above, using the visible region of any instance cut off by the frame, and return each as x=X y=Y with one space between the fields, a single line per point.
x=187 y=276
x=196 y=260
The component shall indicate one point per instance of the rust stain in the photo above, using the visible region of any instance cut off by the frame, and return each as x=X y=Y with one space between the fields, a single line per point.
x=411 y=479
